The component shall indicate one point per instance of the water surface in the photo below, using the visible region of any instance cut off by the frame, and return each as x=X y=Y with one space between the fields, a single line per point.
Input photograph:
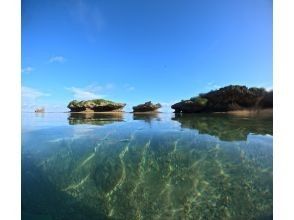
x=146 y=166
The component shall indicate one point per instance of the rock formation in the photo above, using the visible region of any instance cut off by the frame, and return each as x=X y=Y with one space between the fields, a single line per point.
x=146 y=107
x=95 y=105
x=40 y=110
x=228 y=98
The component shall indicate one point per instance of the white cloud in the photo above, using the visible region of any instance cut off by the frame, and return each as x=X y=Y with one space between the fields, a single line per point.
x=109 y=86
x=30 y=97
x=57 y=59
x=83 y=94
x=90 y=92
x=27 y=69
x=128 y=87
x=32 y=93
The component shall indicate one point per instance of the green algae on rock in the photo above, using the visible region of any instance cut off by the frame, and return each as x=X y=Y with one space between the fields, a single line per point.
x=229 y=98
x=95 y=105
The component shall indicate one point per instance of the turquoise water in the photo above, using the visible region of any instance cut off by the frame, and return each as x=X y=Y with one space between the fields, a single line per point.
x=156 y=166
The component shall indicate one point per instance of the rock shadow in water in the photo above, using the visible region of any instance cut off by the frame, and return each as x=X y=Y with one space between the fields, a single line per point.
x=147 y=117
x=95 y=118
x=226 y=127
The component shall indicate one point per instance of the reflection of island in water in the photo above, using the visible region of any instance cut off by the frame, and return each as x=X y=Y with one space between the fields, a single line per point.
x=94 y=118
x=226 y=127
x=147 y=117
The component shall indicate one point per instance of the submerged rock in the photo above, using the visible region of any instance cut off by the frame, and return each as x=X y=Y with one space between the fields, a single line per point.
x=229 y=98
x=146 y=107
x=95 y=105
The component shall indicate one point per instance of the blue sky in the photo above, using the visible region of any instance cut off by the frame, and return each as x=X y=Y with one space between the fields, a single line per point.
x=134 y=51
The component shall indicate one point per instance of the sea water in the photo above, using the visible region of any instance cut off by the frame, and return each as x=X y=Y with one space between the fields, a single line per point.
x=146 y=166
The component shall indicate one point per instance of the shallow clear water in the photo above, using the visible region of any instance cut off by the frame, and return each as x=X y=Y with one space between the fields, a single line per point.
x=158 y=166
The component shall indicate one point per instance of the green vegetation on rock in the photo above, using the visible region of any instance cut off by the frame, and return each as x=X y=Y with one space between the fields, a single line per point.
x=199 y=100
x=96 y=105
x=146 y=107
x=229 y=98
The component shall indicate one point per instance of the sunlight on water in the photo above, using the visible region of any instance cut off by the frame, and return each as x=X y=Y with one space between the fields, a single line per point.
x=158 y=166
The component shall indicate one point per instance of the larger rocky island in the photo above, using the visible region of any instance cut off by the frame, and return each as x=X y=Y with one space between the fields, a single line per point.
x=229 y=98
x=95 y=105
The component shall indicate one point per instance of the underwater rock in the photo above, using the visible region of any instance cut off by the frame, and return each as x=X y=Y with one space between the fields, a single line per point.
x=95 y=105
x=147 y=107
x=229 y=98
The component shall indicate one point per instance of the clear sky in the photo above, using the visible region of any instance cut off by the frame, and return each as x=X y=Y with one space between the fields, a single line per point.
x=134 y=51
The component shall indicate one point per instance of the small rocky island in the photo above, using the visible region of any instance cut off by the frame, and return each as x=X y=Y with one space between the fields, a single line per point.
x=229 y=98
x=95 y=105
x=40 y=110
x=146 y=107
